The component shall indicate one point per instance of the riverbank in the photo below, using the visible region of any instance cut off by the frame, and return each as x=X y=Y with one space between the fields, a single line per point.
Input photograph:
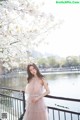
x=43 y=71
x=59 y=72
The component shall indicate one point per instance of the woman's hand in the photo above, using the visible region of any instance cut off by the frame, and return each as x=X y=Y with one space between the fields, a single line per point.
x=36 y=99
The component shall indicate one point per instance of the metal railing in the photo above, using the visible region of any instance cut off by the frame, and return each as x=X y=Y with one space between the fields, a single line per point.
x=12 y=106
x=60 y=112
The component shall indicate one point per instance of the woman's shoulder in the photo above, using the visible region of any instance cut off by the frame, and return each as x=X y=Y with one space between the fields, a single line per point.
x=42 y=81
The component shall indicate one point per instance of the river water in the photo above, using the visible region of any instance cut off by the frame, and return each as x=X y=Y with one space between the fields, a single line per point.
x=60 y=84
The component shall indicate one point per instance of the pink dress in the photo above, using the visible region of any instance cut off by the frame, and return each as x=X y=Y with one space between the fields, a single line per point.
x=38 y=110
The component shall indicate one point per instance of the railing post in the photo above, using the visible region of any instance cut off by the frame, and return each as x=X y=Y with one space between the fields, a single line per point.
x=23 y=101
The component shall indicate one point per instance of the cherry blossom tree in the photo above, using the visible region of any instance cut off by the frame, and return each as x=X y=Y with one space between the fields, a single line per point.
x=23 y=26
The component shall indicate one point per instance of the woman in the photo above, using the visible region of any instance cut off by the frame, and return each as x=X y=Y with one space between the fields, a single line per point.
x=35 y=107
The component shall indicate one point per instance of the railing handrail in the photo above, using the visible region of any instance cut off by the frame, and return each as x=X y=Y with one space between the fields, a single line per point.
x=63 y=98
x=9 y=89
x=48 y=96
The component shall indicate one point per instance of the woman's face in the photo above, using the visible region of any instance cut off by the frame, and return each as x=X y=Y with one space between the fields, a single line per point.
x=33 y=71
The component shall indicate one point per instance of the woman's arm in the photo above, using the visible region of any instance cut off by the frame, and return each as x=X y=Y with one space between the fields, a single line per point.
x=45 y=84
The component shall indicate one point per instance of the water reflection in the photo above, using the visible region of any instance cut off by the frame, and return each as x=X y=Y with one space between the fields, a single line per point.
x=13 y=82
x=66 y=85
x=58 y=76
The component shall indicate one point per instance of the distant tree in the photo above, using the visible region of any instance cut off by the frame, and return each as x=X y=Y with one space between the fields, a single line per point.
x=71 y=61
x=42 y=62
x=52 y=62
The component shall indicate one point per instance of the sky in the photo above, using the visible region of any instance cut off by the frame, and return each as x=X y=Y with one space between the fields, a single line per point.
x=63 y=41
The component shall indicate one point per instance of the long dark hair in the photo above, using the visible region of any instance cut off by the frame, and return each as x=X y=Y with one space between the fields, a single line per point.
x=30 y=75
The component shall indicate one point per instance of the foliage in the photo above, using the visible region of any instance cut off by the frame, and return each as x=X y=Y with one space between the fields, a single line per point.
x=52 y=62
x=22 y=27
